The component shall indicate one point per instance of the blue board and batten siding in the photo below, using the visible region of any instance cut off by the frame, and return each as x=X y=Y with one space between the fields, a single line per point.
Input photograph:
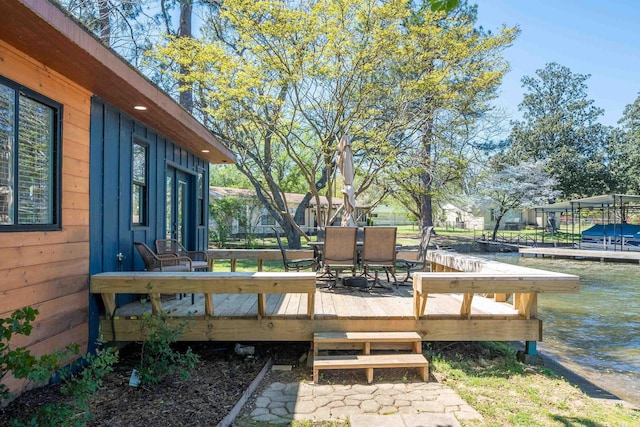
x=111 y=229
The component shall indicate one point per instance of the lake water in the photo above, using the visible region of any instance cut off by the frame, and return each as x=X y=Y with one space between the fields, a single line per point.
x=595 y=332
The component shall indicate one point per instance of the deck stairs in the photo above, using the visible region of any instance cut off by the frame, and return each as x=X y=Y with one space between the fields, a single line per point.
x=386 y=346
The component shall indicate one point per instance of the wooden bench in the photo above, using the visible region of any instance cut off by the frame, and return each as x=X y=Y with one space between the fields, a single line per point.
x=368 y=361
x=207 y=283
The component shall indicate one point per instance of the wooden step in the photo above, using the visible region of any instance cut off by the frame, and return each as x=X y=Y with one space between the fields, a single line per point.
x=386 y=337
x=371 y=361
x=367 y=341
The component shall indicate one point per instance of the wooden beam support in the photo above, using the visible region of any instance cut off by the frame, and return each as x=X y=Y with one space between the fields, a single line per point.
x=430 y=328
x=465 y=308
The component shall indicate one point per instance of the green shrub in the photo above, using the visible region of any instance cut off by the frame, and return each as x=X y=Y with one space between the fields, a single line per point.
x=157 y=357
x=20 y=361
x=79 y=388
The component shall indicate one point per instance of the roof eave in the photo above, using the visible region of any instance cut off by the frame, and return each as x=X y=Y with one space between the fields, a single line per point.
x=47 y=34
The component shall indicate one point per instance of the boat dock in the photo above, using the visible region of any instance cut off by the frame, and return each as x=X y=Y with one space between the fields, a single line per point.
x=591 y=254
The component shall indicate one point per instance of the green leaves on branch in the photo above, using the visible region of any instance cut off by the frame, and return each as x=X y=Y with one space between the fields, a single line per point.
x=158 y=358
x=19 y=361
x=79 y=387
x=560 y=125
x=281 y=82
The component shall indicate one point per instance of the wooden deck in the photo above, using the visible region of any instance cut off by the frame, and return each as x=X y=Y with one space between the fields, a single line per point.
x=286 y=317
x=592 y=254
x=457 y=301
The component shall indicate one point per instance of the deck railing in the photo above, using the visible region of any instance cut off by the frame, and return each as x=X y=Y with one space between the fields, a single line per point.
x=208 y=283
x=469 y=276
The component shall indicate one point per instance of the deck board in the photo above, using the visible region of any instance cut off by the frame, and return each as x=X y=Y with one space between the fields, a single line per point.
x=276 y=304
x=341 y=304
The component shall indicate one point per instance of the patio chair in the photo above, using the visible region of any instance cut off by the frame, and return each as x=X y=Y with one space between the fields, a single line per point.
x=296 y=264
x=163 y=262
x=199 y=259
x=339 y=251
x=379 y=253
x=411 y=261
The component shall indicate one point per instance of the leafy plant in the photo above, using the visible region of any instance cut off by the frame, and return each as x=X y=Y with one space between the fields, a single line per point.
x=20 y=361
x=157 y=358
x=79 y=388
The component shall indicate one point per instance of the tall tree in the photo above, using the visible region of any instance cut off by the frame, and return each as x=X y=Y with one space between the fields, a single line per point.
x=123 y=25
x=451 y=71
x=623 y=151
x=560 y=125
x=517 y=186
x=283 y=82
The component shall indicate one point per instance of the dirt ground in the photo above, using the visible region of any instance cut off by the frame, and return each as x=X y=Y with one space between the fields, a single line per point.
x=204 y=399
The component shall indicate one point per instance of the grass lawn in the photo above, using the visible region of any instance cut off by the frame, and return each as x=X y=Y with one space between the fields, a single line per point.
x=509 y=393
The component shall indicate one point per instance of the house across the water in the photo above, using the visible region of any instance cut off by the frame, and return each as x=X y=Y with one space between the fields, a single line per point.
x=93 y=156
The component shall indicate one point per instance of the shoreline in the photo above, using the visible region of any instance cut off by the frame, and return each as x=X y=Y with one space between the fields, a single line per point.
x=584 y=379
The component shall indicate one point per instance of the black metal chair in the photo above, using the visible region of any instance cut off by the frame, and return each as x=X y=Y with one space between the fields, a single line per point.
x=296 y=264
x=405 y=261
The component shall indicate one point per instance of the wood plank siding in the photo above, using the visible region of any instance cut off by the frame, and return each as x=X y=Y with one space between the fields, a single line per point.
x=50 y=270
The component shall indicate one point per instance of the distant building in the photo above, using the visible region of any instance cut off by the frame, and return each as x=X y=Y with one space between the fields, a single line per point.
x=390 y=215
x=260 y=222
x=461 y=218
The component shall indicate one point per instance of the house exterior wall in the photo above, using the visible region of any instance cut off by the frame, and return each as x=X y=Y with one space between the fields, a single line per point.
x=112 y=231
x=50 y=270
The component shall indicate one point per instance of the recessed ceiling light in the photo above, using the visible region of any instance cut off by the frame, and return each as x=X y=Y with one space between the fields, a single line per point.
x=205 y=151
x=140 y=107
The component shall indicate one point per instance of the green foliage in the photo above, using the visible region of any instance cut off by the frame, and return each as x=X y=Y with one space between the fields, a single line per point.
x=451 y=71
x=224 y=211
x=85 y=383
x=561 y=126
x=227 y=176
x=157 y=358
x=623 y=151
x=79 y=388
x=20 y=361
x=282 y=82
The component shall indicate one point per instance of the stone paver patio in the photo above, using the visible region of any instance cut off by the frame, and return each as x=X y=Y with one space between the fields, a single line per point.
x=370 y=405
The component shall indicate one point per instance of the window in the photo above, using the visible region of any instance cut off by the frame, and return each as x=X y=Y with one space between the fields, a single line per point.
x=139 y=179
x=30 y=165
x=201 y=199
x=266 y=219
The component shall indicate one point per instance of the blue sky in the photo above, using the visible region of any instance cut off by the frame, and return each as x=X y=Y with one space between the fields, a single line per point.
x=596 y=37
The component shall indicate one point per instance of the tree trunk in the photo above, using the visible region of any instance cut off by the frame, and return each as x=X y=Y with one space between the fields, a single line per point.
x=426 y=180
x=495 y=228
x=104 y=22
x=293 y=238
x=186 y=92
